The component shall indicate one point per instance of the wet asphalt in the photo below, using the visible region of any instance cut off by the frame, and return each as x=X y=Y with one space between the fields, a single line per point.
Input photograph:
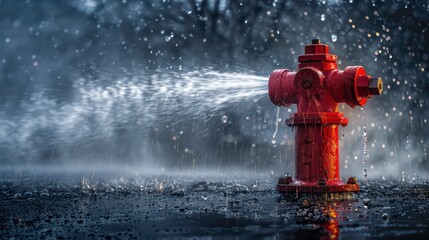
x=80 y=207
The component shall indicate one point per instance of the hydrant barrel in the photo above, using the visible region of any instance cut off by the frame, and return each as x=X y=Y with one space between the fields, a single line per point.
x=318 y=154
x=317 y=87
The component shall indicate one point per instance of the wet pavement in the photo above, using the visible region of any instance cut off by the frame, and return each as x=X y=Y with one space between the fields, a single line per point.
x=94 y=206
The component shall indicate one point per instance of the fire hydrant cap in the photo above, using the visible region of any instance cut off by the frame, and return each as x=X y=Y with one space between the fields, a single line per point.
x=309 y=81
x=317 y=52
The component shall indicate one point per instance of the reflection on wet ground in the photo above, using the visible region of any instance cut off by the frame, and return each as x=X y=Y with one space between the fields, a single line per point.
x=87 y=206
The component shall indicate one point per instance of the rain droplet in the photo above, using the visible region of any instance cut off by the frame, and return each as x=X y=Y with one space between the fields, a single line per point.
x=224 y=119
x=334 y=37
x=169 y=37
x=323 y=17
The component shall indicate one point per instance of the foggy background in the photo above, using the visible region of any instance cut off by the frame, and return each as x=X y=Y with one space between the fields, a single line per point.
x=72 y=76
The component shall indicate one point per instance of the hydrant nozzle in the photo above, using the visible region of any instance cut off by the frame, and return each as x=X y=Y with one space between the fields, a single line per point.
x=317 y=87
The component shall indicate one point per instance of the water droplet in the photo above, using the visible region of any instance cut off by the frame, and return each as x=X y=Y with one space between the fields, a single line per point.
x=323 y=17
x=224 y=119
x=334 y=37
x=169 y=37
x=7 y=40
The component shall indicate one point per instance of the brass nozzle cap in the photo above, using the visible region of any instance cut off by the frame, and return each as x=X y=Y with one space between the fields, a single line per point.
x=375 y=86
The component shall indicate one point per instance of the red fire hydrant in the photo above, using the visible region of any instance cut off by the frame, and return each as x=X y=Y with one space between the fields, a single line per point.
x=317 y=87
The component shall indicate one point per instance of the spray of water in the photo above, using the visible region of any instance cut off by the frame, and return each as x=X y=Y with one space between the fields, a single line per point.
x=108 y=112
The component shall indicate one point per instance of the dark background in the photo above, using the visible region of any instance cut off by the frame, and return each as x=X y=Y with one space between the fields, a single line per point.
x=51 y=51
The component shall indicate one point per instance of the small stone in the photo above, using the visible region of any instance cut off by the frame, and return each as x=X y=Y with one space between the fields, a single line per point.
x=44 y=194
x=16 y=220
x=28 y=194
x=178 y=192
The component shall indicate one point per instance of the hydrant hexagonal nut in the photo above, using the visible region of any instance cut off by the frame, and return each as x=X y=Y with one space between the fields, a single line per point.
x=362 y=86
x=375 y=86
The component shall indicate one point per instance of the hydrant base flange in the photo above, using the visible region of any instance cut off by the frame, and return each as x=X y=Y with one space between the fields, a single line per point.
x=285 y=185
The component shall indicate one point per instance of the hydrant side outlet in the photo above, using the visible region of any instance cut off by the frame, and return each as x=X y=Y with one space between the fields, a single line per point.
x=317 y=87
